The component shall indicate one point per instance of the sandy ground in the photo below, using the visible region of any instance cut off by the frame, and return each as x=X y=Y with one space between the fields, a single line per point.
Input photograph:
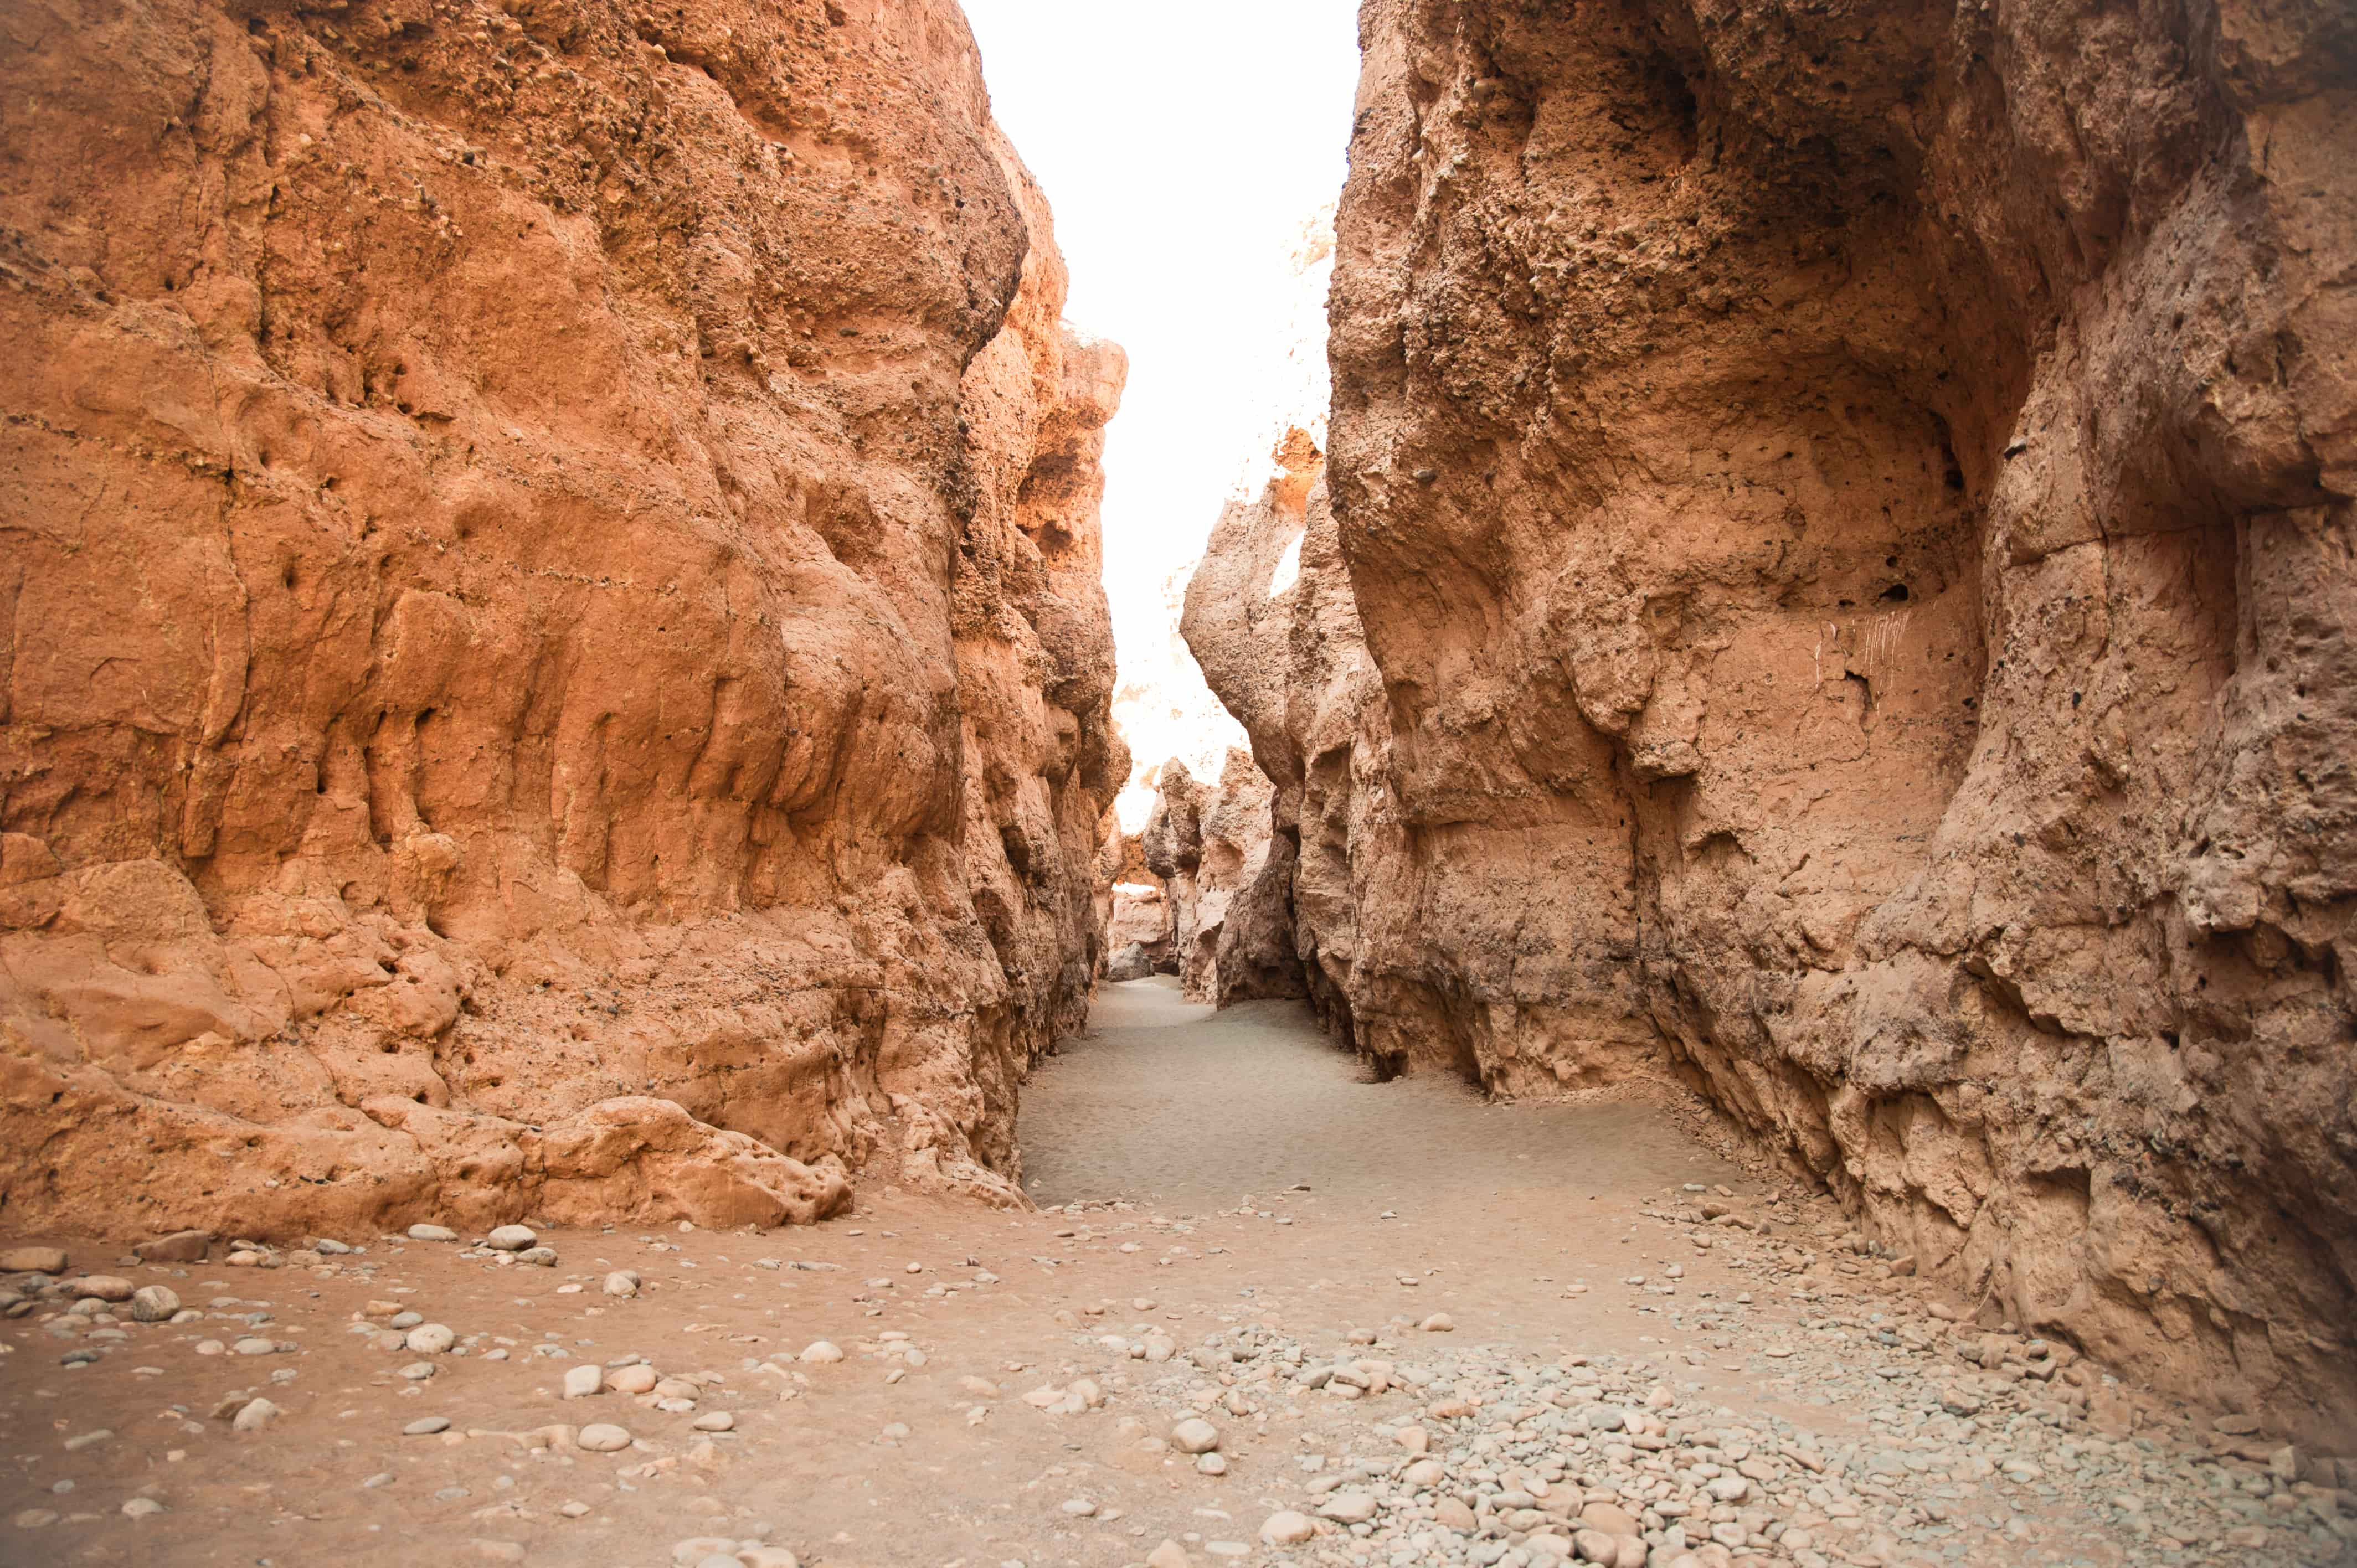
x=1222 y=1174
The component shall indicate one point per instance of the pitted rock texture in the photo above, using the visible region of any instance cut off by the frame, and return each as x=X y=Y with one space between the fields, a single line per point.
x=555 y=659
x=1849 y=513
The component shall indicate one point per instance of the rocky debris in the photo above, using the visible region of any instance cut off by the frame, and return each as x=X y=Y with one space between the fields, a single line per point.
x=365 y=883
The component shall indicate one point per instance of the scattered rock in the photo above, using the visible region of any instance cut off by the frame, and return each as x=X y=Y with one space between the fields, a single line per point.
x=600 y=1437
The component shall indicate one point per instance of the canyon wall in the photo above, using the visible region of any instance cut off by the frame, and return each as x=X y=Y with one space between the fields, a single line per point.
x=555 y=663
x=1838 y=584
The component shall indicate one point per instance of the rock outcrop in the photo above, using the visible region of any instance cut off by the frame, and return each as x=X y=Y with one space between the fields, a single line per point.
x=1226 y=883
x=1840 y=587
x=556 y=660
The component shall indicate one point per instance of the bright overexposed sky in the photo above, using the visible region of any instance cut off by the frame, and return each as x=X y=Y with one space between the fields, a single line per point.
x=1183 y=148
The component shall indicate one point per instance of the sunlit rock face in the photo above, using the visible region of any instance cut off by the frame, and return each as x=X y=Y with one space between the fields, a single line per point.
x=556 y=658
x=1833 y=578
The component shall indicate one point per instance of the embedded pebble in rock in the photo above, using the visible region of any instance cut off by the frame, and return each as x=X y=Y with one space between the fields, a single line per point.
x=424 y=1232
x=154 y=1303
x=602 y=1438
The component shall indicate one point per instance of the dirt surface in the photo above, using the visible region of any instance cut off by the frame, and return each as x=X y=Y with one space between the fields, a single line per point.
x=1544 y=1236
x=1211 y=1106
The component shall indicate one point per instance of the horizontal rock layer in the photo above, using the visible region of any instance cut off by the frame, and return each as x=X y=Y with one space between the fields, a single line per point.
x=1838 y=584
x=556 y=660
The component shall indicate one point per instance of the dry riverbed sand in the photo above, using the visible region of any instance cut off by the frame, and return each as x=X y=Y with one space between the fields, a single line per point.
x=1269 y=1314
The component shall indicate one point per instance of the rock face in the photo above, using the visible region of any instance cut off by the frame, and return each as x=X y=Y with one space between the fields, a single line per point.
x=1840 y=587
x=555 y=659
x=1227 y=882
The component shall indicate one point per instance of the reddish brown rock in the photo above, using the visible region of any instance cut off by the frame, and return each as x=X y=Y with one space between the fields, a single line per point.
x=1849 y=513
x=550 y=582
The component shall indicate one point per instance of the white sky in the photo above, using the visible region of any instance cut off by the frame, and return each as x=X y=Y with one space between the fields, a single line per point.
x=1183 y=147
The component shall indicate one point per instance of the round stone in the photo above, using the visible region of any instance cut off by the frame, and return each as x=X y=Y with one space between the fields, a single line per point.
x=638 y=1380
x=1194 y=1436
x=426 y=1427
x=511 y=1237
x=431 y=1339
x=154 y=1303
x=602 y=1438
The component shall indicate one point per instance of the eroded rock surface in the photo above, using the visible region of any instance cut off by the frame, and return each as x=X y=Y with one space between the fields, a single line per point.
x=1226 y=883
x=557 y=661
x=1848 y=515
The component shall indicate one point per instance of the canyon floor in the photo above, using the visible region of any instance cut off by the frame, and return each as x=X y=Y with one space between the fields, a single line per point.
x=1415 y=1326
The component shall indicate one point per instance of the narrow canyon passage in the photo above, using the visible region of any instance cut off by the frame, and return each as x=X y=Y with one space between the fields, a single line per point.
x=1172 y=1103
x=1585 y=796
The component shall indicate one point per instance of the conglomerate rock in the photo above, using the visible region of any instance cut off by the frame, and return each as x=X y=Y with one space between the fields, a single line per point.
x=1839 y=584
x=556 y=660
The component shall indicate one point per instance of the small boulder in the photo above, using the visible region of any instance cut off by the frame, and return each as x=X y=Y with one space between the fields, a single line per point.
x=602 y=1438
x=180 y=1247
x=432 y=1339
x=32 y=1261
x=1287 y=1527
x=154 y=1303
x=102 y=1287
x=431 y=1233
x=1194 y=1436
x=511 y=1238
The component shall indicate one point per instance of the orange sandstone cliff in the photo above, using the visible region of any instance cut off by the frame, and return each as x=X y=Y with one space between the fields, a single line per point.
x=555 y=657
x=1838 y=584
